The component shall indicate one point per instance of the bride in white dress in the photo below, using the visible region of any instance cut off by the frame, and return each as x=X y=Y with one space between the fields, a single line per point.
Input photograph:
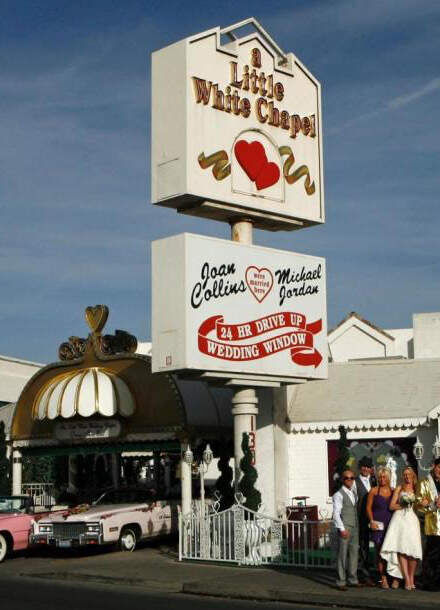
x=402 y=547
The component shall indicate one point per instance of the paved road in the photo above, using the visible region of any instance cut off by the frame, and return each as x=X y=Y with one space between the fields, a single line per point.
x=106 y=580
x=19 y=593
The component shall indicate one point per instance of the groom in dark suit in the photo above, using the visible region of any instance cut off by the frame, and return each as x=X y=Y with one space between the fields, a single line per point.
x=364 y=482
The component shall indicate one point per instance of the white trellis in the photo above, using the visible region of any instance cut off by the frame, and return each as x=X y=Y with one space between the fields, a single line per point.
x=242 y=536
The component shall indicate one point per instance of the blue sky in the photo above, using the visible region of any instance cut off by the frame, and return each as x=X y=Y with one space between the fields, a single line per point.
x=76 y=222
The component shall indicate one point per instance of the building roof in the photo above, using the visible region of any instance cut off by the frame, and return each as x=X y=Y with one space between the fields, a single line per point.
x=369 y=394
x=354 y=314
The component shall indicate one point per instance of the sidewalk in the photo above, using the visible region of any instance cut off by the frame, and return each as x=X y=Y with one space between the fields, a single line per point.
x=158 y=569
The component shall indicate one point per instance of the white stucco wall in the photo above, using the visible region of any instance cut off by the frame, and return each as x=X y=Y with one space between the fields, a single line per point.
x=14 y=374
x=265 y=461
x=356 y=343
x=426 y=335
x=403 y=341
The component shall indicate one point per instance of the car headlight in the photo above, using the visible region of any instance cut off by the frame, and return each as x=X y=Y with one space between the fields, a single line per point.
x=45 y=529
x=93 y=528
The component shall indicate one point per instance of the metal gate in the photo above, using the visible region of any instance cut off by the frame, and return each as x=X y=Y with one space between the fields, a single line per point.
x=242 y=536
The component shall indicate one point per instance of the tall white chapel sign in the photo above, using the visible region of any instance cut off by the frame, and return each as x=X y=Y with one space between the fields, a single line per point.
x=236 y=128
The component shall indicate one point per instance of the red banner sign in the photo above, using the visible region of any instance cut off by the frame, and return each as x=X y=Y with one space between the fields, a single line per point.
x=299 y=340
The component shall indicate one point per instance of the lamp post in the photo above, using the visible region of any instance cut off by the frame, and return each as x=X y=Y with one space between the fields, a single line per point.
x=207 y=456
x=419 y=451
x=185 y=473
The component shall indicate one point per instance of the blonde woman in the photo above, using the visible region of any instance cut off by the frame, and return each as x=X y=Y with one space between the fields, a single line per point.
x=402 y=547
x=379 y=516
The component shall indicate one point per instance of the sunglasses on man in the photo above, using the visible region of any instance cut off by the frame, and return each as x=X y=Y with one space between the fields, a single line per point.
x=349 y=478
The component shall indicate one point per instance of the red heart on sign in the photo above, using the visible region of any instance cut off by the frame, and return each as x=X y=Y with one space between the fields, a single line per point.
x=268 y=175
x=252 y=157
x=259 y=281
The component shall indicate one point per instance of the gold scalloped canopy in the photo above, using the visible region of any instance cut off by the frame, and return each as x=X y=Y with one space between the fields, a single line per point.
x=157 y=403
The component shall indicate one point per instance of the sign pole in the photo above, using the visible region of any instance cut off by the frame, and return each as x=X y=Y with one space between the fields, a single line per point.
x=244 y=400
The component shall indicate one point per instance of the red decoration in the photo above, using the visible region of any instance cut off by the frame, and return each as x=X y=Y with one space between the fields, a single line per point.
x=269 y=175
x=252 y=158
x=259 y=281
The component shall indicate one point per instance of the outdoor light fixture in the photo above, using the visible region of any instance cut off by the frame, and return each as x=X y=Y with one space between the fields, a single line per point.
x=419 y=451
x=188 y=456
x=208 y=455
x=436 y=447
x=204 y=463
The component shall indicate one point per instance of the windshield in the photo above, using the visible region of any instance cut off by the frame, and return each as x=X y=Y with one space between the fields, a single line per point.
x=12 y=504
x=125 y=497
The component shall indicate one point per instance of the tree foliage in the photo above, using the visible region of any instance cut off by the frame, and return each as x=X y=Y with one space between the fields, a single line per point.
x=250 y=475
x=39 y=469
x=341 y=463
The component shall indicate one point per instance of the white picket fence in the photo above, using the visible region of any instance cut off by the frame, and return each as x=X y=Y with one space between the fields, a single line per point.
x=239 y=535
x=42 y=493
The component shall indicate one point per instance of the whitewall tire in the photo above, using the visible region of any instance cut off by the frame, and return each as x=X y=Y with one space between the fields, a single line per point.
x=3 y=548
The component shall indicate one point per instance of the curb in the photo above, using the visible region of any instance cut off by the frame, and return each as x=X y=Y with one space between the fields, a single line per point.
x=383 y=601
x=309 y=598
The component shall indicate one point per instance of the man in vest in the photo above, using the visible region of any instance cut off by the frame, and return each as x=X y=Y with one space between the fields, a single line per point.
x=346 y=520
x=364 y=482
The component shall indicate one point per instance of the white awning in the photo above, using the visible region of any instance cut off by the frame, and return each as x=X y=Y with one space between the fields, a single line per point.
x=88 y=392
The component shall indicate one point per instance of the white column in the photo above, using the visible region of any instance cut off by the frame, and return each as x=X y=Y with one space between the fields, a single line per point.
x=245 y=411
x=185 y=479
x=17 y=471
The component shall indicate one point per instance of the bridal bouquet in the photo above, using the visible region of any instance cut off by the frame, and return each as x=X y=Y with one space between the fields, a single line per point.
x=407 y=500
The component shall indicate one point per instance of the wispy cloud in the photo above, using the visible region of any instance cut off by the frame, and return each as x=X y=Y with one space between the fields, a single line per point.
x=393 y=104
x=404 y=100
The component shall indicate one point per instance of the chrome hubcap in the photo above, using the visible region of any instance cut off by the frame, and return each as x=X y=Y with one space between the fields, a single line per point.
x=128 y=541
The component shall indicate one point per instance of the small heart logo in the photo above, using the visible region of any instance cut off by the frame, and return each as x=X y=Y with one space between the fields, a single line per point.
x=96 y=317
x=268 y=175
x=253 y=159
x=259 y=281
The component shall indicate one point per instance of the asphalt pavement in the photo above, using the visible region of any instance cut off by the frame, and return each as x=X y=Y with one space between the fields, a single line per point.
x=155 y=570
x=24 y=594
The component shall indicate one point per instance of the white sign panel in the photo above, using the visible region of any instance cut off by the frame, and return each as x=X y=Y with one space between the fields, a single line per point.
x=232 y=308
x=237 y=126
x=87 y=430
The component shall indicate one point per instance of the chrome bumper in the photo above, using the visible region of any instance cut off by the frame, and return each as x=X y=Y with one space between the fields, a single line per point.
x=51 y=540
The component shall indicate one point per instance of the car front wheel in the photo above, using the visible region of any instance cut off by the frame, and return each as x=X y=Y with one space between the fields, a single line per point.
x=3 y=548
x=127 y=540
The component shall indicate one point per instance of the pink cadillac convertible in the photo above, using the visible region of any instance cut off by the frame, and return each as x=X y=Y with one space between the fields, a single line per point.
x=16 y=521
x=121 y=517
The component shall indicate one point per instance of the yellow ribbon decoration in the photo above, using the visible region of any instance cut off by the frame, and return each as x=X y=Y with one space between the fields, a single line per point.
x=220 y=161
x=303 y=170
x=222 y=167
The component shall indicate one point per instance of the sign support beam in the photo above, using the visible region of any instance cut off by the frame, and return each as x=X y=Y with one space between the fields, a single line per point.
x=244 y=401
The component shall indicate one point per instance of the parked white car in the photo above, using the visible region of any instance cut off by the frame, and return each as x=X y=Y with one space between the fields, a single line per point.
x=122 y=517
